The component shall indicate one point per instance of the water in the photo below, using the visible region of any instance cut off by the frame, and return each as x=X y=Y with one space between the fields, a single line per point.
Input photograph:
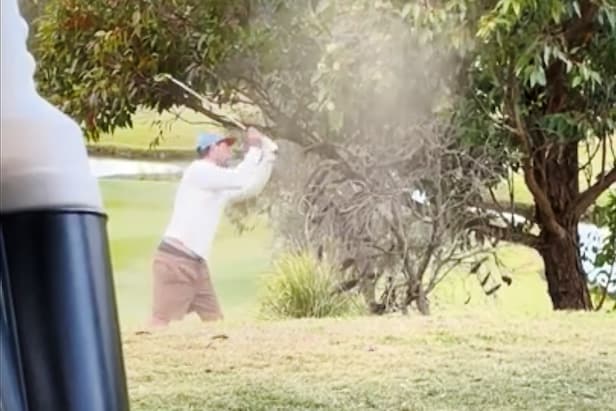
x=114 y=167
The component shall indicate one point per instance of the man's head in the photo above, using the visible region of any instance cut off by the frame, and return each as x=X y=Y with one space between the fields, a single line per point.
x=215 y=148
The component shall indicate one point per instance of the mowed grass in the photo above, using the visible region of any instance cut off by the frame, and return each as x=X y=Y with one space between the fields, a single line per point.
x=176 y=133
x=507 y=352
x=478 y=361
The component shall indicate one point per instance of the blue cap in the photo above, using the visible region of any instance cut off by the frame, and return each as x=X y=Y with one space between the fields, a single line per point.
x=206 y=140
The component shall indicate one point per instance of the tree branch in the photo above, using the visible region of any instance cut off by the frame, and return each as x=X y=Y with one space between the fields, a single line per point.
x=580 y=29
x=524 y=210
x=195 y=104
x=508 y=234
x=541 y=200
x=588 y=197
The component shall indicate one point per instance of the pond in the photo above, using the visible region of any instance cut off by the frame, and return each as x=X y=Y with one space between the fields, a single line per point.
x=591 y=236
x=115 y=167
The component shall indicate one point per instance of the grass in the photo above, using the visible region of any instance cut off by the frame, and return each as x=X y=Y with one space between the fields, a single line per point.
x=527 y=294
x=465 y=361
x=177 y=134
x=300 y=286
x=504 y=353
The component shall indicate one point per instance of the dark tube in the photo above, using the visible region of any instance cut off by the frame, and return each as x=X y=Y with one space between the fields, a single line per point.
x=11 y=384
x=62 y=299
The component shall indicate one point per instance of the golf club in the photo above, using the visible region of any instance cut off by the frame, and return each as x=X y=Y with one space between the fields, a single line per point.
x=208 y=105
x=273 y=147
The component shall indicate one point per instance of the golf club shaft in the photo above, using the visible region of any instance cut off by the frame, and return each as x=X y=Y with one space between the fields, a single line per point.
x=186 y=88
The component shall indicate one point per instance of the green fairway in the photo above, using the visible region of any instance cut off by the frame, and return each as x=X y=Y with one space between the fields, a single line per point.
x=177 y=134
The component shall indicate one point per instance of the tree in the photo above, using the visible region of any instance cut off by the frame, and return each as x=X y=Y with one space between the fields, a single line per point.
x=374 y=146
x=543 y=82
x=529 y=83
x=400 y=223
x=98 y=60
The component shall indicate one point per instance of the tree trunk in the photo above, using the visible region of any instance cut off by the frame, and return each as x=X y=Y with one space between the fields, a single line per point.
x=556 y=172
x=423 y=304
x=563 y=270
x=367 y=286
x=416 y=293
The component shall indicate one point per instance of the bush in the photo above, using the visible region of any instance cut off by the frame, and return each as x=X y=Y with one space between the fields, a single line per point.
x=300 y=286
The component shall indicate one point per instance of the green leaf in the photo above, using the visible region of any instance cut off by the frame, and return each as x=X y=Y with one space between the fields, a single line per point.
x=547 y=51
x=576 y=7
x=406 y=10
x=611 y=17
x=537 y=77
x=517 y=8
x=577 y=80
x=136 y=18
x=541 y=80
x=557 y=9
x=600 y=19
x=584 y=71
x=596 y=77
x=562 y=57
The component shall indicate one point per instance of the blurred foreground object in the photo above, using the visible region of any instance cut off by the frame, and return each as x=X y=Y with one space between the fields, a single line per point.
x=60 y=339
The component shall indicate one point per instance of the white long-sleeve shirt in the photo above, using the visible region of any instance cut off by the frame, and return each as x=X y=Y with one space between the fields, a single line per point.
x=206 y=188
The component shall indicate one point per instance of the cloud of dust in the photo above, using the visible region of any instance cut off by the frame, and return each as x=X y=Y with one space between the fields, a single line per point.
x=367 y=68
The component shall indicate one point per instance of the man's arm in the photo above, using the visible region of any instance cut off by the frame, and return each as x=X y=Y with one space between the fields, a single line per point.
x=209 y=176
x=260 y=176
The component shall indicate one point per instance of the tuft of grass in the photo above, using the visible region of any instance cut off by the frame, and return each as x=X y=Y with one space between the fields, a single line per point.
x=302 y=286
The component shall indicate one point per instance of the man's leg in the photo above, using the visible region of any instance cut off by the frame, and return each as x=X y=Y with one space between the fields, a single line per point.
x=173 y=291
x=205 y=303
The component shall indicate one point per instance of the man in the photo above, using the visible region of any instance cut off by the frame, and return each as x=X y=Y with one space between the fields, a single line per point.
x=182 y=282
